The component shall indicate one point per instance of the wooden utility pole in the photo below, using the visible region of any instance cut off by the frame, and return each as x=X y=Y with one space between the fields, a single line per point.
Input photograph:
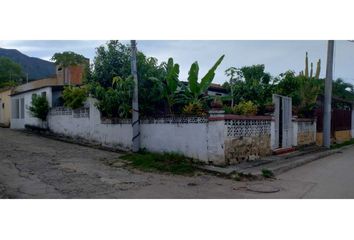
x=328 y=96
x=135 y=104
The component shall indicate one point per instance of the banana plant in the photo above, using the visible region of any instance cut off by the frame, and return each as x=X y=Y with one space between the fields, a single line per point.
x=169 y=87
x=195 y=89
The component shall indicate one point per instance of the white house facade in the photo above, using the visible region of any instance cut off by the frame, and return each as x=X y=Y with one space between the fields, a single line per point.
x=20 y=103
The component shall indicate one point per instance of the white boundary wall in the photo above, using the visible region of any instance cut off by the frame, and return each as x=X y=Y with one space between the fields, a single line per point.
x=201 y=138
x=353 y=122
x=91 y=129
x=193 y=137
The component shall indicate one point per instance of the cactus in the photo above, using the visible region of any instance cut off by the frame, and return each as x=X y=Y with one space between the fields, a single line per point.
x=306 y=72
x=306 y=66
x=318 y=69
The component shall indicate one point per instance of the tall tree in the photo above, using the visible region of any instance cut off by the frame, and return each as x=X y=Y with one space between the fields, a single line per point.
x=343 y=89
x=253 y=84
x=234 y=75
x=113 y=59
x=10 y=72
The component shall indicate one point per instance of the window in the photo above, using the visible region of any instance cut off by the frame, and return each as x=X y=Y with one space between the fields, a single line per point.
x=44 y=94
x=15 y=108
x=3 y=105
x=22 y=115
x=34 y=94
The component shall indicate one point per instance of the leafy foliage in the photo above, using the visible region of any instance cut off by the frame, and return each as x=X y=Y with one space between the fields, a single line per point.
x=194 y=109
x=196 y=90
x=343 y=89
x=303 y=91
x=74 y=97
x=115 y=101
x=289 y=85
x=10 y=72
x=170 y=87
x=267 y=173
x=113 y=59
x=163 y=162
x=252 y=83
x=309 y=90
x=66 y=59
x=245 y=108
x=39 y=107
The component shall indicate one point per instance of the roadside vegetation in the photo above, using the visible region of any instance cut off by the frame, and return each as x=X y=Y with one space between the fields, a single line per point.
x=346 y=143
x=162 y=93
x=162 y=162
x=267 y=173
x=39 y=107
x=11 y=73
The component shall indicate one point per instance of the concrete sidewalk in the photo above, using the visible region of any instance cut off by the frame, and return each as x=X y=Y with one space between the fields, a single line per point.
x=275 y=164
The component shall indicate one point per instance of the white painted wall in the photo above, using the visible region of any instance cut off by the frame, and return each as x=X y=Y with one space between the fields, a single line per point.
x=216 y=142
x=28 y=118
x=189 y=139
x=273 y=133
x=203 y=140
x=113 y=135
x=353 y=122
x=295 y=131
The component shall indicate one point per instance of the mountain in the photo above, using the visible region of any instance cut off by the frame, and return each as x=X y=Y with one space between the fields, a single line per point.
x=35 y=67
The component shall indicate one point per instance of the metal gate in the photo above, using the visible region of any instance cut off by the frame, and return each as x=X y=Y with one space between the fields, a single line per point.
x=283 y=121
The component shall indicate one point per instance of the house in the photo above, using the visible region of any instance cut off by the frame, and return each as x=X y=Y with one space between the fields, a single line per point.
x=214 y=89
x=5 y=106
x=217 y=90
x=51 y=88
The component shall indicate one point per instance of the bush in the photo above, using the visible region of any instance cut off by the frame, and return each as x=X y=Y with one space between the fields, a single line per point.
x=39 y=107
x=74 y=97
x=194 y=109
x=245 y=108
x=115 y=101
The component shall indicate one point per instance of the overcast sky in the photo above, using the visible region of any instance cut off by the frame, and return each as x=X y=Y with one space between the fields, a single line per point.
x=277 y=56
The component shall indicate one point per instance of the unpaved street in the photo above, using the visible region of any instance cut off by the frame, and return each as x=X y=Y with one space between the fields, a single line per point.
x=37 y=167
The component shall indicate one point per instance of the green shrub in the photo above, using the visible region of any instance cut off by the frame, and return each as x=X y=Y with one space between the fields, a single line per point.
x=39 y=107
x=74 y=97
x=228 y=110
x=245 y=108
x=115 y=101
x=194 y=109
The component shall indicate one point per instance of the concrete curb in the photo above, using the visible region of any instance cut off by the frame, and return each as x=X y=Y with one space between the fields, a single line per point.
x=277 y=167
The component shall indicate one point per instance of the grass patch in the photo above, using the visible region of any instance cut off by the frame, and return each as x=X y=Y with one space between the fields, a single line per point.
x=162 y=162
x=267 y=173
x=346 y=143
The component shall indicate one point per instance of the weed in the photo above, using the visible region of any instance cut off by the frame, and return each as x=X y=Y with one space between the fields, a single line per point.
x=267 y=173
x=163 y=162
x=346 y=143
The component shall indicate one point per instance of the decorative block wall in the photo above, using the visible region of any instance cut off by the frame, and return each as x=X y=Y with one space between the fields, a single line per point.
x=247 y=139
